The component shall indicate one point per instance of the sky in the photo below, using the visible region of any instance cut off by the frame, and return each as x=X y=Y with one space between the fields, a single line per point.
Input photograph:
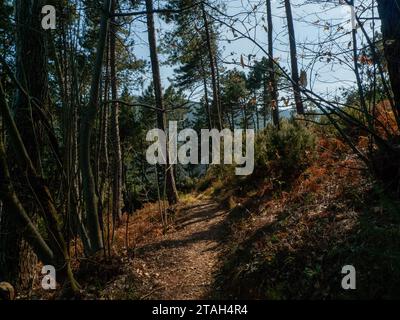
x=313 y=24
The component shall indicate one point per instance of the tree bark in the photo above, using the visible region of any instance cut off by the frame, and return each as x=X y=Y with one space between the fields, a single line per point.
x=214 y=81
x=11 y=201
x=272 y=87
x=293 y=59
x=389 y=12
x=117 y=156
x=360 y=88
x=172 y=193
x=206 y=100
x=16 y=257
x=56 y=242
x=87 y=123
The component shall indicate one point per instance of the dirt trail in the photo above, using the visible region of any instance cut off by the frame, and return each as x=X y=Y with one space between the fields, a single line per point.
x=185 y=260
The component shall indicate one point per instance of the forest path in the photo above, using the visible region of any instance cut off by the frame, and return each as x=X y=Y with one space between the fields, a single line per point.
x=185 y=260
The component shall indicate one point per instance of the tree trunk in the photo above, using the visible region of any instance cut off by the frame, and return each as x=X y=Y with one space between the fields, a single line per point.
x=272 y=85
x=117 y=157
x=11 y=201
x=389 y=12
x=293 y=59
x=171 y=191
x=216 y=104
x=17 y=259
x=87 y=123
x=360 y=88
x=56 y=243
x=102 y=155
x=206 y=100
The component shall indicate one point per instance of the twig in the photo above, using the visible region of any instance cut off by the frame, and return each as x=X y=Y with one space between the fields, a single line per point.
x=151 y=292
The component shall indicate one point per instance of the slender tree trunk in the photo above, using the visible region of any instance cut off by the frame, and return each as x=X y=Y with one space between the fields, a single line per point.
x=171 y=191
x=117 y=156
x=272 y=85
x=102 y=156
x=207 y=103
x=75 y=181
x=11 y=201
x=266 y=97
x=206 y=100
x=357 y=73
x=87 y=123
x=217 y=70
x=293 y=59
x=257 y=125
x=216 y=104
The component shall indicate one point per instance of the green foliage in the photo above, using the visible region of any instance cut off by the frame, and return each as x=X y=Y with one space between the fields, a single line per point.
x=215 y=177
x=135 y=122
x=283 y=154
x=351 y=130
x=235 y=97
x=280 y=156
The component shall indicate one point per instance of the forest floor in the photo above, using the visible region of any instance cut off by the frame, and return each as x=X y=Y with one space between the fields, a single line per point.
x=250 y=238
x=179 y=264
x=256 y=238
x=211 y=251
x=188 y=256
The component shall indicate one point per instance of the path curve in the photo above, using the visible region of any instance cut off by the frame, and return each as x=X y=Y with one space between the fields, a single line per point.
x=186 y=259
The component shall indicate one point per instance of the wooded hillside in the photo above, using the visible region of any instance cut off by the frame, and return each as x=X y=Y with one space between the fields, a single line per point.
x=85 y=85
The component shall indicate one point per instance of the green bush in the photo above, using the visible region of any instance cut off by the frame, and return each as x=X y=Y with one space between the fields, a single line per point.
x=280 y=155
x=216 y=174
x=285 y=153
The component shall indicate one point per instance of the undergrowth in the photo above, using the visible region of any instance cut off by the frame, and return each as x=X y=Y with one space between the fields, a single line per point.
x=309 y=209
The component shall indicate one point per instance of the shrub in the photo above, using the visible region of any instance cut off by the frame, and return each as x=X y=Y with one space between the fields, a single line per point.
x=285 y=153
x=280 y=156
x=216 y=176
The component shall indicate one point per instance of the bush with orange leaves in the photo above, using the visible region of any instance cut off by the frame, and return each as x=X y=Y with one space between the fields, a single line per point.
x=334 y=163
x=385 y=121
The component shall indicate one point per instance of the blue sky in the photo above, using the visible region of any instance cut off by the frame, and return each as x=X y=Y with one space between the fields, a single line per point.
x=313 y=24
